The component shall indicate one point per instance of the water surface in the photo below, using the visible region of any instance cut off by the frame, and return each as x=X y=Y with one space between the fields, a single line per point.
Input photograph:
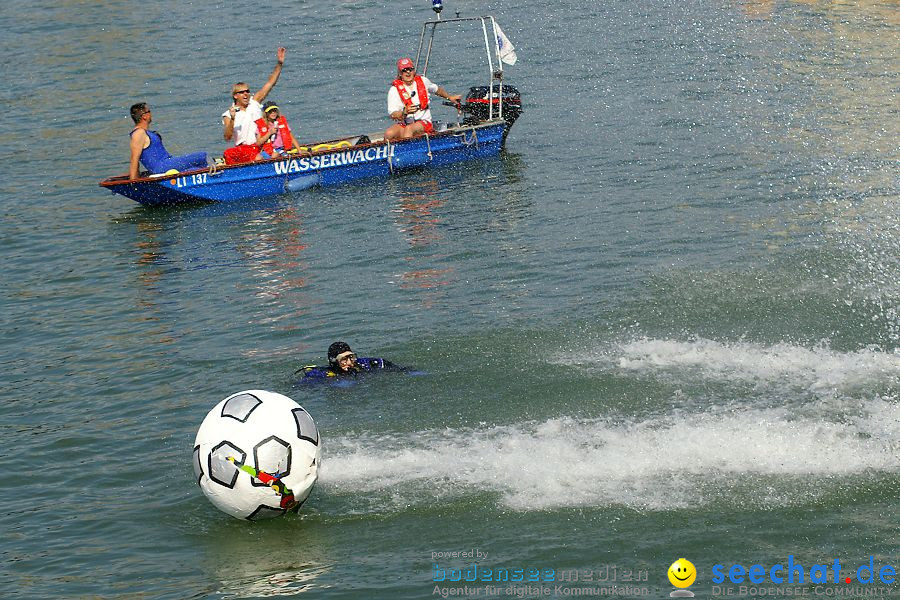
x=663 y=323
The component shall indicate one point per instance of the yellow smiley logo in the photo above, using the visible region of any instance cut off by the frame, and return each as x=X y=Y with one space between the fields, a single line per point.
x=682 y=573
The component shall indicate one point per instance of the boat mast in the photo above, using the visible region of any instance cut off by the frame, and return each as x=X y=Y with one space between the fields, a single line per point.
x=438 y=6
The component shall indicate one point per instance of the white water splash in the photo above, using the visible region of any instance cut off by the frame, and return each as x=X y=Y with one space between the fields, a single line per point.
x=665 y=462
x=816 y=369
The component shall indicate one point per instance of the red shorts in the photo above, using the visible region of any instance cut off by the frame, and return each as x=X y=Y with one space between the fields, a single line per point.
x=240 y=154
x=429 y=128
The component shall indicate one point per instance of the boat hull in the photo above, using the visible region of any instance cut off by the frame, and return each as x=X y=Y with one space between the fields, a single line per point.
x=326 y=168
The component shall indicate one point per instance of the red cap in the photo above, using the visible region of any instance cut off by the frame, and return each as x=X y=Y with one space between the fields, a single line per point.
x=405 y=63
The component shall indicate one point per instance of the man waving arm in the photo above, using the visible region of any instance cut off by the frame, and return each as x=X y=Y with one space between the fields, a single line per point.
x=273 y=78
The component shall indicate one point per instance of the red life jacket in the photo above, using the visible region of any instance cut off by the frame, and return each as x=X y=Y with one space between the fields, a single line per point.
x=421 y=92
x=262 y=128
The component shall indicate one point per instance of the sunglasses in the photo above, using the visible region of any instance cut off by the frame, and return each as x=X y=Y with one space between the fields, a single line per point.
x=242 y=92
x=407 y=70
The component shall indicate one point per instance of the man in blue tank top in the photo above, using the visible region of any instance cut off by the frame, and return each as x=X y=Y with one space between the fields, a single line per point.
x=343 y=362
x=147 y=147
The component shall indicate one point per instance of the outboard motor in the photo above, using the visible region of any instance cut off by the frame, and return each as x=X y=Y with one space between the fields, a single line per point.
x=481 y=99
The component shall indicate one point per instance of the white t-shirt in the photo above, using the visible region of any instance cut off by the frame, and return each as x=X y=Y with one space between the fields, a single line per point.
x=395 y=103
x=245 y=122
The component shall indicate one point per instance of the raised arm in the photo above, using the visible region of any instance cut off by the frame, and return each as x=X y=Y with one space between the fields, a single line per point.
x=273 y=78
x=138 y=136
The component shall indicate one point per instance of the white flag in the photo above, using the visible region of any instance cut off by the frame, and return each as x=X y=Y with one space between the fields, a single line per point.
x=506 y=50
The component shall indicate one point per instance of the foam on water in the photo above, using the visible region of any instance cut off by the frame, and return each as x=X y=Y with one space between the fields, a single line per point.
x=815 y=369
x=665 y=462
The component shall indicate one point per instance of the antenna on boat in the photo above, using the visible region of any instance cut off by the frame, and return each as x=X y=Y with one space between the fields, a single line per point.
x=437 y=6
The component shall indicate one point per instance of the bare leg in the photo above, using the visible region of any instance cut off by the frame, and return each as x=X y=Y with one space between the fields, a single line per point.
x=413 y=130
x=394 y=132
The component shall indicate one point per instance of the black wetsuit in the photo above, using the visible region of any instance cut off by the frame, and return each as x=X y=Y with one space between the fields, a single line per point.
x=363 y=365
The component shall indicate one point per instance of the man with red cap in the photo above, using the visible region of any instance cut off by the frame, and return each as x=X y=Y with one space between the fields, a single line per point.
x=408 y=102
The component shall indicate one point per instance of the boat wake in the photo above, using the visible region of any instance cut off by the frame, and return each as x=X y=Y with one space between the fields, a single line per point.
x=817 y=370
x=809 y=426
x=753 y=458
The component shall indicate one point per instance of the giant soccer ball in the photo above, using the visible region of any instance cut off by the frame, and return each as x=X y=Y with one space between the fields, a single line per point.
x=256 y=455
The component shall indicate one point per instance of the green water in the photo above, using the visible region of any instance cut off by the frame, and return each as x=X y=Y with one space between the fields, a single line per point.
x=664 y=323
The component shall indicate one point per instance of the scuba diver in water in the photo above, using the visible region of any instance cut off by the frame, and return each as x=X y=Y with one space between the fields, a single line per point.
x=343 y=362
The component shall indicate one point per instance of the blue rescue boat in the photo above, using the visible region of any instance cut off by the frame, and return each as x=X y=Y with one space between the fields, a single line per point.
x=489 y=112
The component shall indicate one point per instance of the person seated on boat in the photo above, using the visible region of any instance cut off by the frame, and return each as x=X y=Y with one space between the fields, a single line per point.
x=343 y=362
x=273 y=135
x=147 y=148
x=240 y=119
x=408 y=102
